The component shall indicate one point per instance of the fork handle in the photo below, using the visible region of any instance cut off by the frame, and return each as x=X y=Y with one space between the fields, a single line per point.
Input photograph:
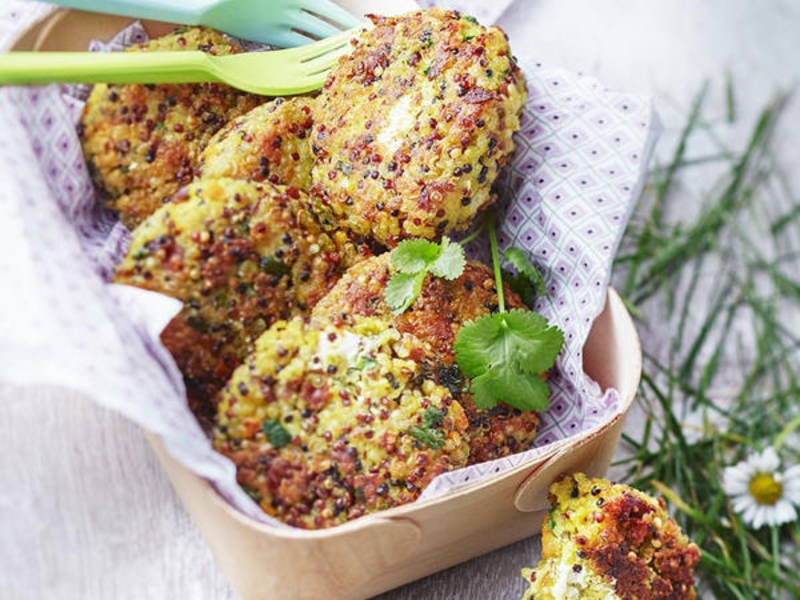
x=185 y=12
x=106 y=67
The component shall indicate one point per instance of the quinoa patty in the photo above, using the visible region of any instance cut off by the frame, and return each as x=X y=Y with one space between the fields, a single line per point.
x=604 y=540
x=436 y=317
x=327 y=422
x=412 y=126
x=268 y=143
x=240 y=255
x=142 y=142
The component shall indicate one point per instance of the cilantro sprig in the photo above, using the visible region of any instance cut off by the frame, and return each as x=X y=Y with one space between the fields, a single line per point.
x=506 y=353
x=413 y=260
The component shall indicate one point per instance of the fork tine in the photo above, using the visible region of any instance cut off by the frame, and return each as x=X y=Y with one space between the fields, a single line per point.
x=333 y=12
x=289 y=39
x=322 y=47
x=308 y=23
x=324 y=62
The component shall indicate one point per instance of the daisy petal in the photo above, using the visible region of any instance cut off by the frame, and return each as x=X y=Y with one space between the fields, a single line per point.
x=768 y=460
x=736 y=479
x=784 y=512
x=791 y=484
x=740 y=503
x=750 y=513
x=760 y=517
x=792 y=472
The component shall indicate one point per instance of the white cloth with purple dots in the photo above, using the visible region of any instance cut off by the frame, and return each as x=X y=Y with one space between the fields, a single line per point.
x=566 y=197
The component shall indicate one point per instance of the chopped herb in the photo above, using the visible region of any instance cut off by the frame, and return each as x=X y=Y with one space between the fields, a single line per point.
x=344 y=167
x=273 y=266
x=365 y=363
x=140 y=253
x=471 y=19
x=432 y=417
x=251 y=492
x=197 y=323
x=427 y=433
x=275 y=433
x=433 y=438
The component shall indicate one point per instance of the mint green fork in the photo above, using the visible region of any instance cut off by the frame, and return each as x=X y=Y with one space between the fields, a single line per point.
x=283 y=23
x=273 y=73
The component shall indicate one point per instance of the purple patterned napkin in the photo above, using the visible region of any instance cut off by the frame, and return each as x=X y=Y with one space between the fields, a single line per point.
x=565 y=198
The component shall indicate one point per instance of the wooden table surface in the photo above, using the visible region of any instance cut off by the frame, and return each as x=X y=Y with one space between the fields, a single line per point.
x=85 y=511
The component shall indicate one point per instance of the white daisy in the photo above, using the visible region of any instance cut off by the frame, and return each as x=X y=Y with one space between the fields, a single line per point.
x=760 y=492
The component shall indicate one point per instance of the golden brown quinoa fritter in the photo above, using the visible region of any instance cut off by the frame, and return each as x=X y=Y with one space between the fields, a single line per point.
x=411 y=128
x=240 y=255
x=268 y=143
x=142 y=142
x=327 y=422
x=436 y=317
x=604 y=540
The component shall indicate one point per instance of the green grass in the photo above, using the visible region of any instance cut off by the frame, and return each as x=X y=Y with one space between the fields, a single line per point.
x=724 y=287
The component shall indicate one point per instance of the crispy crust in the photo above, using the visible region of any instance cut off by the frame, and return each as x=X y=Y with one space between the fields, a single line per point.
x=240 y=255
x=142 y=142
x=412 y=127
x=268 y=143
x=350 y=406
x=604 y=540
x=436 y=317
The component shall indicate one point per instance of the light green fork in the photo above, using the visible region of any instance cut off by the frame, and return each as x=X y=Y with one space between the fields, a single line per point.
x=273 y=73
x=283 y=23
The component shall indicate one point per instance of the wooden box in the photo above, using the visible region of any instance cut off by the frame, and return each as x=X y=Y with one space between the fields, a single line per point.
x=381 y=551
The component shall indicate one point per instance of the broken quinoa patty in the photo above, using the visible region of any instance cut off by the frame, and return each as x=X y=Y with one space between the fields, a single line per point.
x=327 y=422
x=240 y=255
x=142 y=142
x=436 y=317
x=604 y=540
x=413 y=125
x=268 y=143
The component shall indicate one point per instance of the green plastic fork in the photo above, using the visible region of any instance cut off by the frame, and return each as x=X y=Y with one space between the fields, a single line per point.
x=273 y=73
x=283 y=23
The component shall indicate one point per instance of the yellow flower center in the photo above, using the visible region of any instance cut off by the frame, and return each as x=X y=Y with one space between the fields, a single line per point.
x=765 y=488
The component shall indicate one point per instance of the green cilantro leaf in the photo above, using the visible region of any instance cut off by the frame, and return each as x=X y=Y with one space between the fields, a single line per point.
x=450 y=262
x=413 y=260
x=403 y=289
x=412 y=256
x=525 y=270
x=521 y=336
x=504 y=383
x=505 y=354
x=275 y=433
x=536 y=343
x=521 y=287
